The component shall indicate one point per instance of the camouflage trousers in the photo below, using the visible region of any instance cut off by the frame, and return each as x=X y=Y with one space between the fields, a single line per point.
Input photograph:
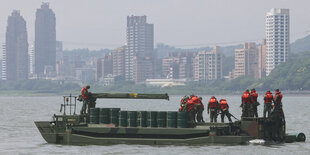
x=267 y=108
x=84 y=106
x=213 y=115
x=247 y=110
x=225 y=113
x=199 y=116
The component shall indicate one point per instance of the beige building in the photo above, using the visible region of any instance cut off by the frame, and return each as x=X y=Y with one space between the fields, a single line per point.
x=246 y=61
x=178 y=65
x=262 y=60
x=118 y=56
x=104 y=67
x=142 y=68
x=208 y=65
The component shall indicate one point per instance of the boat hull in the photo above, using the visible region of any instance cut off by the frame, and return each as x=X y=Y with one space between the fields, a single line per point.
x=143 y=136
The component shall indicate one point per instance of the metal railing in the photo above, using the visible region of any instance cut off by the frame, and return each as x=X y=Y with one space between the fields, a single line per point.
x=68 y=102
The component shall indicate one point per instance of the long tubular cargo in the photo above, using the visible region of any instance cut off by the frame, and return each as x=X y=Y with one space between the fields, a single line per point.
x=130 y=96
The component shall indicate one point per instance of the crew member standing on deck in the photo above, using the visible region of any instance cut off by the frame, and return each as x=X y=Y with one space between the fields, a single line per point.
x=183 y=103
x=254 y=96
x=86 y=98
x=267 y=103
x=213 y=107
x=225 y=110
x=191 y=109
x=200 y=108
x=246 y=104
x=278 y=101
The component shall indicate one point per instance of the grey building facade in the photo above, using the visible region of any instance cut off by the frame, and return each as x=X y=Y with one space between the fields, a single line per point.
x=139 y=56
x=16 y=49
x=45 y=39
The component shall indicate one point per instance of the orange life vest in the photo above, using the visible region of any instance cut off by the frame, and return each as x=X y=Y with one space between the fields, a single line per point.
x=224 y=105
x=195 y=99
x=246 y=97
x=83 y=94
x=254 y=96
x=213 y=103
x=279 y=98
x=269 y=98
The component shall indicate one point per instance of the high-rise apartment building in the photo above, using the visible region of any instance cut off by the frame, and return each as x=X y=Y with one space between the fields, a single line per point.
x=139 y=56
x=45 y=40
x=277 y=38
x=118 y=56
x=104 y=67
x=3 y=64
x=208 y=65
x=246 y=61
x=31 y=59
x=262 y=60
x=16 y=48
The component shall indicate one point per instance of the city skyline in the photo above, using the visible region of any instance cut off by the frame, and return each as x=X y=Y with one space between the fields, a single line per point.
x=108 y=31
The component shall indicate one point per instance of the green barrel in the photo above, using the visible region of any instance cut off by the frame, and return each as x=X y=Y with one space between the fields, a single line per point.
x=132 y=119
x=182 y=119
x=114 y=115
x=123 y=118
x=172 y=119
x=94 y=116
x=141 y=119
x=151 y=119
x=104 y=116
x=162 y=119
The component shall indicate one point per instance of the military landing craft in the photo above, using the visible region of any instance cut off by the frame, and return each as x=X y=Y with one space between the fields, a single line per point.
x=102 y=126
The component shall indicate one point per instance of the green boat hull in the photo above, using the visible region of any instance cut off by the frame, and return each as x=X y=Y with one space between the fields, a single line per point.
x=100 y=135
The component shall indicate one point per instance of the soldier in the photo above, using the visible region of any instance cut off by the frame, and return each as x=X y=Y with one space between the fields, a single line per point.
x=246 y=104
x=278 y=101
x=191 y=109
x=183 y=103
x=213 y=106
x=200 y=108
x=225 y=110
x=85 y=98
x=254 y=96
x=268 y=98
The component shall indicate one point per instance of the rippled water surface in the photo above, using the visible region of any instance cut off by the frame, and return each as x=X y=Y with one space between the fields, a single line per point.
x=20 y=136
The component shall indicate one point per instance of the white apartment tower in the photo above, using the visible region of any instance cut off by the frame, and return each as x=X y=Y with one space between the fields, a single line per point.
x=208 y=65
x=277 y=38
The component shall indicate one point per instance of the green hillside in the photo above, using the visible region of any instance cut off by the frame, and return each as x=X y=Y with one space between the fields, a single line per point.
x=301 y=45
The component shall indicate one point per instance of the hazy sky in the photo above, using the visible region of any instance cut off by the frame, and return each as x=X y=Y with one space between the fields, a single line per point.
x=183 y=23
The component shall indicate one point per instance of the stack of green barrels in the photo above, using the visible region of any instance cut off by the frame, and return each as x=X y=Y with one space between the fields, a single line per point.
x=104 y=116
x=152 y=119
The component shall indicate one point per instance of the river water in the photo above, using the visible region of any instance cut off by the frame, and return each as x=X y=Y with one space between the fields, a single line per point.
x=19 y=134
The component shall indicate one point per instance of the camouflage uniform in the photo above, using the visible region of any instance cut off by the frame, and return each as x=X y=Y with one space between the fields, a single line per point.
x=200 y=108
x=86 y=99
x=268 y=98
x=254 y=97
x=224 y=110
x=213 y=108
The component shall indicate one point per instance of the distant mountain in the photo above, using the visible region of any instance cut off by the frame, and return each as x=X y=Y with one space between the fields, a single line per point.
x=301 y=45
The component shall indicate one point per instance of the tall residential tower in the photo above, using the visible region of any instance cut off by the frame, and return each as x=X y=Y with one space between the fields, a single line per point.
x=45 y=39
x=16 y=48
x=277 y=38
x=139 y=56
